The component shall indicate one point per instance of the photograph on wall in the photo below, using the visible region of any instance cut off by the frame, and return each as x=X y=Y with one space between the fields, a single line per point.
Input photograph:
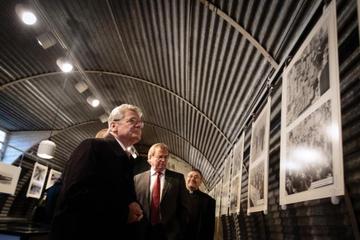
x=52 y=178
x=259 y=161
x=234 y=195
x=227 y=169
x=311 y=165
x=224 y=199
x=236 y=176
x=37 y=181
x=217 y=196
x=9 y=177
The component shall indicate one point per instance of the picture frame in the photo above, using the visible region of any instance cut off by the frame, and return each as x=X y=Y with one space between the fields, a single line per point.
x=52 y=178
x=37 y=181
x=9 y=177
x=217 y=196
x=235 y=192
x=311 y=159
x=259 y=161
x=224 y=199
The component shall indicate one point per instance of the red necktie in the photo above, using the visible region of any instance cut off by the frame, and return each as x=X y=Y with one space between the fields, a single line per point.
x=155 y=201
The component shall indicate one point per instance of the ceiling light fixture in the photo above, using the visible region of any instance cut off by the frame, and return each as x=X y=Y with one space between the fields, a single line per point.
x=46 y=40
x=104 y=118
x=64 y=64
x=25 y=14
x=81 y=86
x=94 y=102
x=46 y=149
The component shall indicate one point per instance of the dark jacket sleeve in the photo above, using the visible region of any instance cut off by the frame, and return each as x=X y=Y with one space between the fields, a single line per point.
x=183 y=207
x=95 y=188
x=209 y=219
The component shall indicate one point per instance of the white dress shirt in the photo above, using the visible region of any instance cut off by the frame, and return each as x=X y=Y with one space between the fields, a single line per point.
x=153 y=176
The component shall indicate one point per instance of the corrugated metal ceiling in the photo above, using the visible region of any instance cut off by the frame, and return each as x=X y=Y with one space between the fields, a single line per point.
x=192 y=73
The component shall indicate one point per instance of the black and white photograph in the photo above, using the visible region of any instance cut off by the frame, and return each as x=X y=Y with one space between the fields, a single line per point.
x=234 y=194
x=227 y=169
x=308 y=78
x=311 y=165
x=256 y=186
x=236 y=175
x=9 y=176
x=259 y=161
x=309 y=155
x=224 y=199
x=217 y=197
x=37 y=181
x=35 y=189
x=238 y=154
x=258 y=137
x=52 y=178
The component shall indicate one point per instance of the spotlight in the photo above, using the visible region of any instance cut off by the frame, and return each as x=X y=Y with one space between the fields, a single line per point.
x=93 y=101
x=25 y=14
x=64 y=64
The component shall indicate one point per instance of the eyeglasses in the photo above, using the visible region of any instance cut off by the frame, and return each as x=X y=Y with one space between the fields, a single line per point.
x=132 y=122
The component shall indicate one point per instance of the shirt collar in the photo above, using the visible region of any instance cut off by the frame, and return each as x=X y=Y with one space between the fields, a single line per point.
x=153 y=172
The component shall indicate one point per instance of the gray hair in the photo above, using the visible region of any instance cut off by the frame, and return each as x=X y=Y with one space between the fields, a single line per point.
x=119 y=112
x=152 y=149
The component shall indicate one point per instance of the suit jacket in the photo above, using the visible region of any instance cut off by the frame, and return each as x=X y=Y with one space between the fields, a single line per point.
x=97 y=187
x=201 y=217
x=173 y=202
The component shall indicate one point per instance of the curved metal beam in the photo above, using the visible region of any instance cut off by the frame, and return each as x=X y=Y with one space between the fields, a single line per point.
x=166 y=90
x=124 y=76
x=240 y=29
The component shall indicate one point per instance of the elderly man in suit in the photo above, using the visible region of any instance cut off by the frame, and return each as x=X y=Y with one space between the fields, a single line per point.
x=202 y=215
x=162 y=194
x=98 y=183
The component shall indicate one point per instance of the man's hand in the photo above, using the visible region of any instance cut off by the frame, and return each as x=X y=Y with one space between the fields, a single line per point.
x=135 y=212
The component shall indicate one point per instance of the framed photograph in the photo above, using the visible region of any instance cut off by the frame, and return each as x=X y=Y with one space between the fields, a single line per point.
x=259 y=161
x=217 y=196
x=9 y=177
x=235 y=192
x=37 y=181
x=227 y=169
x=224 y=199
x=311 y=159
x=52 y=178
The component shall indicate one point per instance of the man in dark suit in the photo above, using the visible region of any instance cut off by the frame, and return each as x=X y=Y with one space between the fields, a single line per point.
x=98 y=183
x=162 y=194
x=202 y=209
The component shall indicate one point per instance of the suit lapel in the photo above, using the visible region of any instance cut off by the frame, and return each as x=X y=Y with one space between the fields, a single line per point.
x=146 y=185
x=167 y=185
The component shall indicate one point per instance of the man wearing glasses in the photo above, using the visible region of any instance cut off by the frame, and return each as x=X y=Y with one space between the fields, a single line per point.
x=162 y=194
x=98 y=184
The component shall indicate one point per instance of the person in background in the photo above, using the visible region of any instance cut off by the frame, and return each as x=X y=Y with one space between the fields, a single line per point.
x=201 y=223
x=103 y=133
x=162 y=194
x=97 y=199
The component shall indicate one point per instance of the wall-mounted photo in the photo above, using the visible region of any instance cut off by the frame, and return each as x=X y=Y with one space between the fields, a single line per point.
x=311 y=164
x=224 y=199
x=259 y=161
x=217 y=196
x=236 y=176
x=52 y=178
x=227 y=169
x=9 y=176
x=37 y=181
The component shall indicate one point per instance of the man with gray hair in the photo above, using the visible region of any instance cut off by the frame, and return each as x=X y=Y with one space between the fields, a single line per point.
x=98 y=184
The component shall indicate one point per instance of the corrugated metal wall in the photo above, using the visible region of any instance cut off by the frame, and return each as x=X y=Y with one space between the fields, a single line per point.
x=317 y=219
